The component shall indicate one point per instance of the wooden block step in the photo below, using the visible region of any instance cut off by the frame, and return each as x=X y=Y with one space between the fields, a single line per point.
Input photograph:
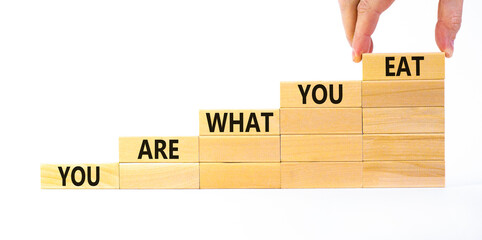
x=316 y=148
x=390 y=147
x=321 y=175
x=238 y=122
x=403 y=120
x=403 y=66
x=240 y=175
x=417 y=93
x=239 y=149
x=320 y=94
x=79 y=176
x=158 y=149
x=321 y=120
x=159 y=175
x=404 y=174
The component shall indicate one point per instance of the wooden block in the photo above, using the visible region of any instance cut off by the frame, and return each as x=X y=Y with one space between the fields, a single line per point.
x=403 y=66
x=404 y=174
x=240 y=175
x=158 y=149
x=403 y=120
x=320 y=120
x=321 y=94
x=79 y=176
x=239 y=149
x=389 y=147
x=315 y=148
x=159 y=175
x=238 y=122
x=423 y=93
x=321 y=175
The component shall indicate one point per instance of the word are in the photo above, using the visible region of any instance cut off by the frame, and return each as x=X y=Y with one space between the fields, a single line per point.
x=159 y=147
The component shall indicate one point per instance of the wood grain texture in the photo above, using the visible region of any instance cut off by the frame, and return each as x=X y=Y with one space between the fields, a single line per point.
x=318 y=94
x=309 y=148
x=321 y=120
x=159 y=175
x=431 y=67
x=240 y=175
x=51 y=176
x=186 y=149
x=389 y=147
x=239 y=149
x=404 y=174
x=423 y=93
x=404 y=120
x=254 y=122
x=321 y=175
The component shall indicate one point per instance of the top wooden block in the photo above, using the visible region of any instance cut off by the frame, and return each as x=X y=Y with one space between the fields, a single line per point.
x=238 y=122
x=320 y=94
x=403 y=66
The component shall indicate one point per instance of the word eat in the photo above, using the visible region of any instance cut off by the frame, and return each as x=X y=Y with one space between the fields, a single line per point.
x=402 y=66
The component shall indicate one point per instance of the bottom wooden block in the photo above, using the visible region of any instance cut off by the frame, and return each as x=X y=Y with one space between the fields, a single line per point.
x=404 y=174
x=79 y=176
x=321 y=175
x=240 y=175
x=159 y=175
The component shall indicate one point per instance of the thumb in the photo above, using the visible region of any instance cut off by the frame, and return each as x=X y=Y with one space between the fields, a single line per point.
x=448 y=24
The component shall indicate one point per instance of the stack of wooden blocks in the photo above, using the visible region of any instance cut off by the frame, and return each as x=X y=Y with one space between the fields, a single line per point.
x=403 y=120
x=384 y=131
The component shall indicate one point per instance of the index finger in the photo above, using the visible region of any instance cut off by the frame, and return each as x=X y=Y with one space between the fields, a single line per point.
x=368 y=12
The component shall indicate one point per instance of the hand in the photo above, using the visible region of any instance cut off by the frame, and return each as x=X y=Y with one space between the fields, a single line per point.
x=360 y=19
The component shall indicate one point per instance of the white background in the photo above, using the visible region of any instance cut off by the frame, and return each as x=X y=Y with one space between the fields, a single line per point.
x=76 y=75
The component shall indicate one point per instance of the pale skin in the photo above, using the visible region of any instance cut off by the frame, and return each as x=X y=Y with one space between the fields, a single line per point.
x=360 y=18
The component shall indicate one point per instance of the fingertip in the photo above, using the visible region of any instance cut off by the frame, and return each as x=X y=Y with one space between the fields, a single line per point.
x=444 y=40
x=353 y=55
x=357 y=58
x=449 y=52
x=361 y=45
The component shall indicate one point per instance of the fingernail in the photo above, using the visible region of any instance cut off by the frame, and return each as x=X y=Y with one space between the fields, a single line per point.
x=450 y=49
x=356 y=57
